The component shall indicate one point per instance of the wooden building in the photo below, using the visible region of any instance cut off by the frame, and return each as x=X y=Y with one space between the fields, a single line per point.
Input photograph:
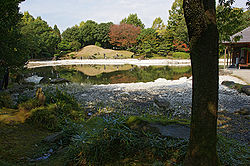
x=237 y=54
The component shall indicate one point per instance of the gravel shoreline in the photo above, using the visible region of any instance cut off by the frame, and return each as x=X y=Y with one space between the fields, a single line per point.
x=137 y=62
x=177 y=92
x=141 y=99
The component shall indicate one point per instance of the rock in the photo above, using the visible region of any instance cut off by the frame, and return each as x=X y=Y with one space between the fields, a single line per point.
x=173 y=130
x=35 y=79
x=243 y=111
x=246 y=89
x=162 y=102
x=124 y=94
x=225 y=72
x=228 y=83
x=40 y=96
x=59 y=81
x=139 y=124
x=53 y=137
x=44 y=80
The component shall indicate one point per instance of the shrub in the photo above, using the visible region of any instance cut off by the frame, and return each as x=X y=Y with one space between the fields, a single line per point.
x=5 y=100
x=28 y=105
x=61 y=108
x=58 y=96
x=72 y=56
x=232 y=152
x=98 y=44
x=106 y=140
x=44 y=117
x=181 y=55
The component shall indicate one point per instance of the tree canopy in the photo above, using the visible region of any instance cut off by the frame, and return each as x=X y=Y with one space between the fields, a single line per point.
x=40 y=38
x=124 y=35
x=12 y=52
x=133 y=20
x=177 y=29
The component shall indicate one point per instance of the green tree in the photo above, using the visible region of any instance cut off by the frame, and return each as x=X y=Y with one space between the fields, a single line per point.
x=64 y=45
x=177 y=29
x=245 y=20
x=74 y=45
x=87 y=32
x=13 y=51
x=200 y=18
x=148 y=42
x=133 y=20
x=72 y=34
x=40 y=38
x=228 y=20
x=158 y=24
x=11 y=40
x=81 y=24
x=102 y=34
x=57 y=31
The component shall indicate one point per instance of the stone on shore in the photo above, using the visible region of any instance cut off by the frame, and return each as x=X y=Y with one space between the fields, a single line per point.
x=59 y=81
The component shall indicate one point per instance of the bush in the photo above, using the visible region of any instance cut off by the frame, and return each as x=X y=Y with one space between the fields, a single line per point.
x=58 y=96
x=181 y=55
x=5 y=100
x=98 y=44
x=28 y=105
x=106 y=140
x=232 y=152
x=44 y=117
x=61 y=108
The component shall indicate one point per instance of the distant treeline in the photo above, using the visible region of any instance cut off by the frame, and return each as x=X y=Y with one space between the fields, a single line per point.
x=24 y=37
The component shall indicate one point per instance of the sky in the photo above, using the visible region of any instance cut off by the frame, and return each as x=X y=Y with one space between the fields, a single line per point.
x=67 y=13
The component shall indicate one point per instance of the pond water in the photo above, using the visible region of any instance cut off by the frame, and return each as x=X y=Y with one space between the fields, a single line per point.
x=111 y=74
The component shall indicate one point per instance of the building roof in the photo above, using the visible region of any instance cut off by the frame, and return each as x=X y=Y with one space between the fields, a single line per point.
x=245 y=36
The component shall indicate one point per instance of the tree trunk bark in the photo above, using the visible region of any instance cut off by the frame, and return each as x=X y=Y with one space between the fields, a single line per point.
x=200 y=17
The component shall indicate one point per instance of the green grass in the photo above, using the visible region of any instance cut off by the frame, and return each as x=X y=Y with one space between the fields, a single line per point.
x=181 y=55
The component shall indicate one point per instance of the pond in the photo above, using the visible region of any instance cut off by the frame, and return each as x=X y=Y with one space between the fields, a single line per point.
x=111 y=74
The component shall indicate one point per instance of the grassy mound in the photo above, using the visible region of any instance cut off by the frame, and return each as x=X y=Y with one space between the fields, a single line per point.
x=96 y=52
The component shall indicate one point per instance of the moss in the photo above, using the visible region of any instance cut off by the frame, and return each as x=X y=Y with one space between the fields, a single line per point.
x=19 y=142
x=44 y=117
x=155 y=119
x=145 y=123
x=181 y=55
x=28 y=105
x=5 y=100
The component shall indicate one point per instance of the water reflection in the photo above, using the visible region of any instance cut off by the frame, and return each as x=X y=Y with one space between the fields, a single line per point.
x=111 y=74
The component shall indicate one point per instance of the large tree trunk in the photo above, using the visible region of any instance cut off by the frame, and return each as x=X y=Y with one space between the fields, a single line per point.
x=200 y=17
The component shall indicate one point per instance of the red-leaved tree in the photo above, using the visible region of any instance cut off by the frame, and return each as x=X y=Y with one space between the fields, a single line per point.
x=124 y=35
x=180 y=46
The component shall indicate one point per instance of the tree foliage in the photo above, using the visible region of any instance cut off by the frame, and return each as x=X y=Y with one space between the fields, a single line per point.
x=229 y=20
x=87 y=32
x=177 y=29
x=148 y=42
x=102 y=34
x=133 y=20
x=12 y=52
x=158 y=24
x=72 y=34
x=124 y=35
x=40 y=38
